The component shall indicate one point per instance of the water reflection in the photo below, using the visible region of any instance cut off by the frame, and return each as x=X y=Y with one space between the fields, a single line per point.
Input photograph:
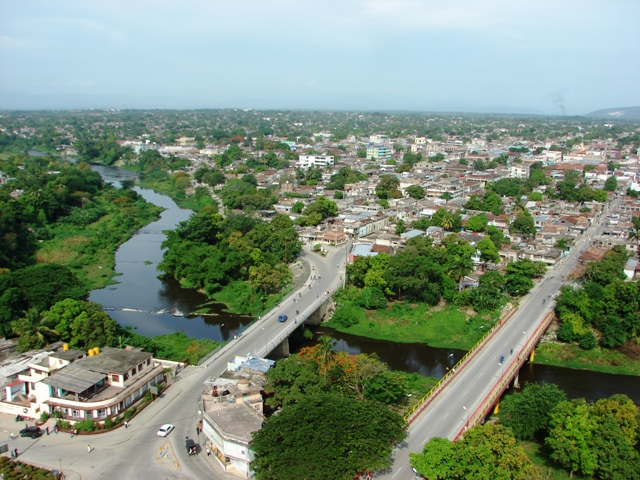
x=434 y=362
x=149 y=304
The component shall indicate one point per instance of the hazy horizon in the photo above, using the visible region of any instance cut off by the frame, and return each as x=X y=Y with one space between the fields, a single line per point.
x=530 y=57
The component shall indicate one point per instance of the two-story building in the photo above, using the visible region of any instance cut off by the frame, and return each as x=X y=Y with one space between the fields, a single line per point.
x=96 y=386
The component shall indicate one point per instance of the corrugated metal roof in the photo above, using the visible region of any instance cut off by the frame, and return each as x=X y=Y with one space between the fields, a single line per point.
x=73 y=379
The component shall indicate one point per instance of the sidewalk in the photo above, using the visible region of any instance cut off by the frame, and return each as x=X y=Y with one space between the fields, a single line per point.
x=25 y=445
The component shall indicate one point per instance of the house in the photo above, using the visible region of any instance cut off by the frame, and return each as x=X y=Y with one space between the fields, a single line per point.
x=232 y=410
x=630 y=268
x=95 y=385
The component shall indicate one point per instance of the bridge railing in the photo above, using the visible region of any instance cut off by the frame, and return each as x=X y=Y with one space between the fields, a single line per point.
x=505 y=379
x=424 y=402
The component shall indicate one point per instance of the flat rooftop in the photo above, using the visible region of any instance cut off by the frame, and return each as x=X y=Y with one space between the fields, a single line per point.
x=236 y=419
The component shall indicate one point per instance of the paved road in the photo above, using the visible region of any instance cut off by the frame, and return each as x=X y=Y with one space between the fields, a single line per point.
x=137 y=452
x=451 y=411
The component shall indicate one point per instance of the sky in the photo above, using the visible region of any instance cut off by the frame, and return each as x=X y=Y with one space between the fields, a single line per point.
x=560 y=57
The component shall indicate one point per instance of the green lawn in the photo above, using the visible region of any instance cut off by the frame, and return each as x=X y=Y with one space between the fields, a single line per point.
x=546 y=467
x=597 y=359
x=443 y=327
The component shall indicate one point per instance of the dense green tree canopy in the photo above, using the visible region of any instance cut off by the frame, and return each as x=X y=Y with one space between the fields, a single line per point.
x=485 y=452
x=596 y=439
x=527 y=413
x=209 y=251
x=294 y=444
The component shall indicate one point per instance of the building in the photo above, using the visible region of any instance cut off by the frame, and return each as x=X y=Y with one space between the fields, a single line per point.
x=308 y=161
x=379 y=152
x=93 y=385
x=231 y=411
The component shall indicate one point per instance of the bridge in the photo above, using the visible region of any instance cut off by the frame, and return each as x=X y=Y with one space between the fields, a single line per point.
x=472 y=389
x=306 y=305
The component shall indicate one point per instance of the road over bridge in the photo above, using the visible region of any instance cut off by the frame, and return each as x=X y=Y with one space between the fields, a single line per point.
x=466 y=396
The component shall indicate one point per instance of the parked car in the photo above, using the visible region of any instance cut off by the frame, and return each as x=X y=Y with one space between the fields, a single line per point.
x=165 y=430
x=192 y=448
x=33 y=432
x=282 y=318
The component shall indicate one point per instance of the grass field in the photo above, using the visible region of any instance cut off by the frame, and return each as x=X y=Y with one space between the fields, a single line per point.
x=546 y=467
x=443 y=327
x=624 y=361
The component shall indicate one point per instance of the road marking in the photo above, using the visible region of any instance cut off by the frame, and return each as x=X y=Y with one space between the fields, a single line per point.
x=446 y=415
x=394 y=475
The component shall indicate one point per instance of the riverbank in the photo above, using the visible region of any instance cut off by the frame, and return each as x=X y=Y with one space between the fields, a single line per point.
x=625 y=361
x=448 y=327
x=90 y=250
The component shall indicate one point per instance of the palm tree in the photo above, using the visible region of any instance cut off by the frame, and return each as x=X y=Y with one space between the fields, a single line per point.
x=34 y=330
x=326 y=353
x=447 y=221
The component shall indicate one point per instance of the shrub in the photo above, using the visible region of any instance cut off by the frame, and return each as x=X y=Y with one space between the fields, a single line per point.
x=372 y=298
x=63 y=425
x=87 y=425
x=148 y=396
x=587 y=341
x=44 y=416
x=348 y=314
x=130 y=413
x=108 y=423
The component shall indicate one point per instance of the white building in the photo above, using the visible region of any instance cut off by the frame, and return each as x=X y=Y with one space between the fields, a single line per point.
x=308 y=161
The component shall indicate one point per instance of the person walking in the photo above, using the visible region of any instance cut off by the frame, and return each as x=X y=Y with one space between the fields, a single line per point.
x=11 y=435
x=126 y=424
x=88 y=448
x=15 y=453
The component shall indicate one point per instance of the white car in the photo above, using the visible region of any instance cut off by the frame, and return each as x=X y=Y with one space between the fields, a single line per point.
x=165 y=430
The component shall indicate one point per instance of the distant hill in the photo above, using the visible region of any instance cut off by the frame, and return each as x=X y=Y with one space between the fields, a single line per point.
x=622 y=113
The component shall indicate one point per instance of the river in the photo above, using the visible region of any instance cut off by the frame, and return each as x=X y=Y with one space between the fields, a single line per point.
x=155 y=307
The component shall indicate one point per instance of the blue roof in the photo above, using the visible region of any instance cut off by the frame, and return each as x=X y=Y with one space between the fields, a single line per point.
x=363 y=250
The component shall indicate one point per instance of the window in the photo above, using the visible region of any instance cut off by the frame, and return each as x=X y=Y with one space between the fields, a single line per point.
x=75 y=413
x=148 y=361
x=115 y=378
x=102 y=413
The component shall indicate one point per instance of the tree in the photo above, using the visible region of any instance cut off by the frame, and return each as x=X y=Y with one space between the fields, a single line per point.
x=488 y=251
x=293 y=444
x=82 y=324
x=400 y=227
x=45 y=284
x=596 y=439
x=524 y=224
x=388 y=187
x=485 y=452
x=571 y=431
x=326 y=353
x=611 y=184
x=436 y=460
x=477 y=223
x=415 y=191
x=496 y=235
x=34 y=331
x=527 y=413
